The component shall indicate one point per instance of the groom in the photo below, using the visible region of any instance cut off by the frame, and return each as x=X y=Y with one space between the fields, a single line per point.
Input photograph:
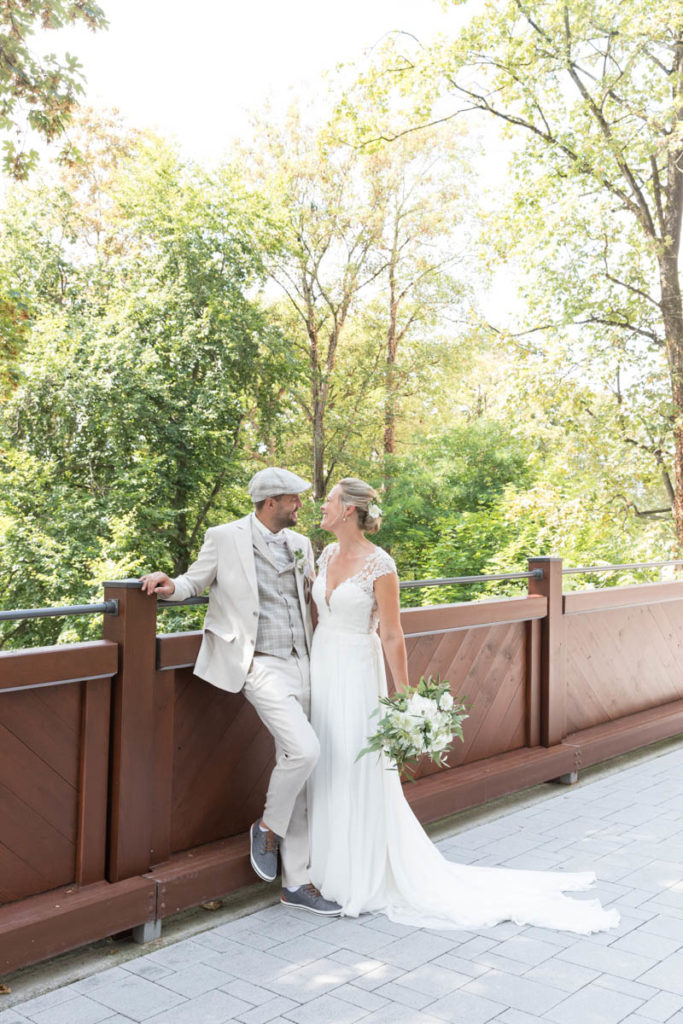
x=257 y=636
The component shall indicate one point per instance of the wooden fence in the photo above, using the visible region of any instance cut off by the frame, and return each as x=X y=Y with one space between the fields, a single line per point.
x=127 y=784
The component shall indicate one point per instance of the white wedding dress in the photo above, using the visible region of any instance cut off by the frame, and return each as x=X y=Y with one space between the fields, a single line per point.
x=368 y=850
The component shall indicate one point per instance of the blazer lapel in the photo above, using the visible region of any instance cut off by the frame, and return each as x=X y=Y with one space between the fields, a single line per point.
x=299 y=576
x=245 y=550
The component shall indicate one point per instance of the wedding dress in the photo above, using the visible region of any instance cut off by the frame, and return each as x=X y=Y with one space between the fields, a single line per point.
x=368 y=850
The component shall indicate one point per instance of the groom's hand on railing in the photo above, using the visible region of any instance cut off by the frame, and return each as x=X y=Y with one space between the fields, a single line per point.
x=157 y=583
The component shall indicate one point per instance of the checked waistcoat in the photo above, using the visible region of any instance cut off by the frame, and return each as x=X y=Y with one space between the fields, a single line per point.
x=280 y=625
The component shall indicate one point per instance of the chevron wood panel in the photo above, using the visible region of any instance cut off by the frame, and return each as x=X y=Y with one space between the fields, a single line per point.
x=39 y=782
x=222 y=760
x=486 y=667
x=621 y=661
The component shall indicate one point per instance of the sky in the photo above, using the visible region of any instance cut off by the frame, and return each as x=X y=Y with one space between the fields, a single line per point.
x=193 y=71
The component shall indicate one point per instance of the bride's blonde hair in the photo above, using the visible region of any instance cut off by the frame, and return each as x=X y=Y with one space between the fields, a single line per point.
x=356 y=492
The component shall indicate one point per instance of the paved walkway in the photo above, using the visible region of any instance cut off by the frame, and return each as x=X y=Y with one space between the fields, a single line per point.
x=275 y=966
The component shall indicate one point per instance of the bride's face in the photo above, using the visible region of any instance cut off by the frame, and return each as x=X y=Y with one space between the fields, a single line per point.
x=332 y=510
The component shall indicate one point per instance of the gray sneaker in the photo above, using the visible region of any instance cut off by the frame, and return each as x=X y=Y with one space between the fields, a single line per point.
x=307 y=897
x=265 y=847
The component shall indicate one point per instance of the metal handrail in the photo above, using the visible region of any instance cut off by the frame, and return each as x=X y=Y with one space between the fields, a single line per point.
x=107 y=607
x=534 y=574
x=616 y=568
x=112 y=607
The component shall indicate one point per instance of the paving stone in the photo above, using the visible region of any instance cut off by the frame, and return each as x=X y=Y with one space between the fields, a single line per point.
x=490 y=959
x=328 y=1009
x=611 y=961
x=526 y=950
x=467 y=1008
x=148 y=969
x=628 y=988
x=519 y=993
x=660 y=874
x=195 y=980
x=352 y=936
x=567 y=977
x=397 y=992
x=210 y=1008
x=361 y=963
x=178 y=955
x=517 y=1017
x=247 y=992
x=667 y=975
x=79 y=1010
x=662 y=1006
x=303 y=949
x=136 y=998
x=268 y=1011
x=369 y=1001
x=312 y=980
x=396 y=1015
x=13 y=1017
x=380 y=923
x=433 y=980
x=250 y=964
x=95 y=980
x=53 y=998
x=372 y=980
x=452 y=962
x=640 y=941
x=415 y=950
x=470 y=950
x=593 y=1005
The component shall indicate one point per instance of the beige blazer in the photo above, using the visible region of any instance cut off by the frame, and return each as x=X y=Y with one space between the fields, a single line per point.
x=227 y=567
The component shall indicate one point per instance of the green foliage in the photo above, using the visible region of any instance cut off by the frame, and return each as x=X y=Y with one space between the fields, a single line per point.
x=442 y=516
x=38 y=92
x=123 y=439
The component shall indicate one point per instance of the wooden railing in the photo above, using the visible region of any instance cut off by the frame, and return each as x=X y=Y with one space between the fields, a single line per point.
x=127 y=784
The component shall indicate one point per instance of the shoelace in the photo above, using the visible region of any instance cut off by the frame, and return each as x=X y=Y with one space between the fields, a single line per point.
x=271 y=842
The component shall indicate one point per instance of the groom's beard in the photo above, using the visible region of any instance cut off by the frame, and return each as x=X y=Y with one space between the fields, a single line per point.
x=284 y=519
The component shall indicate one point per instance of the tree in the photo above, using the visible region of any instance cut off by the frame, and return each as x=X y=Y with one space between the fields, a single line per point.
x=329 y=258
x=421 y=186
x=367 y=267
x=124 y=437
x=37 y=93
x=596 y=90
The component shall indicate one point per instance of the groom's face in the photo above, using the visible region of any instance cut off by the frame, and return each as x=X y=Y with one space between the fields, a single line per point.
x=285 y=511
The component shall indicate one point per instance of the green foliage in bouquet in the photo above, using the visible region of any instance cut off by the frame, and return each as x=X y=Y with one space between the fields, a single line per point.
x=422 y=719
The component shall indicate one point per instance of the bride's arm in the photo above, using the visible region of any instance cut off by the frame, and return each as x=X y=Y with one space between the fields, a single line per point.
x=390 y=630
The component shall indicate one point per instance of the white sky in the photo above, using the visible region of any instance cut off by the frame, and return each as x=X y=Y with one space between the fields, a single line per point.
x=194 y=70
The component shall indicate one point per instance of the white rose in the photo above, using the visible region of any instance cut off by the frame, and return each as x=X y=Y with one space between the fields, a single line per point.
x=445 y=702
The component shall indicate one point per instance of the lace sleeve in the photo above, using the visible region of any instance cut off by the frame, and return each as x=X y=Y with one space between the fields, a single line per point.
x=381 y=564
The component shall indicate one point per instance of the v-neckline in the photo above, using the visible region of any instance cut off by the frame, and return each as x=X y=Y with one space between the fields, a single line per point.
x=329 y=593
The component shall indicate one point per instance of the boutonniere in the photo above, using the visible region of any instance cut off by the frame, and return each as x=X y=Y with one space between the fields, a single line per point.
x=299 y=560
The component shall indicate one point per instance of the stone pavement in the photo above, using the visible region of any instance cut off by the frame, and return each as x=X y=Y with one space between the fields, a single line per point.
x=276 y=965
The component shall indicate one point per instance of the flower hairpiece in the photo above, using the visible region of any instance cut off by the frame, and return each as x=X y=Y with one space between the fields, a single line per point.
x=374 y=511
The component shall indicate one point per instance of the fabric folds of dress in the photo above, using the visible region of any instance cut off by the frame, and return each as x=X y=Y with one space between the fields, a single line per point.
x=368 y=850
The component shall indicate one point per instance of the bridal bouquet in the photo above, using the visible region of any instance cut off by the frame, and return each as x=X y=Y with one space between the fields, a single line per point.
x=423 y=719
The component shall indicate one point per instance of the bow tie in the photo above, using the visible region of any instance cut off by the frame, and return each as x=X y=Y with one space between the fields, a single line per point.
x=276 y=538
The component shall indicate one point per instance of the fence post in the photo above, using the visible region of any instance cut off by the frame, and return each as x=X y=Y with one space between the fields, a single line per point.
x=134 y=630
x=553 y=651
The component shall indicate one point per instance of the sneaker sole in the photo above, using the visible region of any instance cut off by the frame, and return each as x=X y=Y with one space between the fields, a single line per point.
x=257 y=869
x=311 y=910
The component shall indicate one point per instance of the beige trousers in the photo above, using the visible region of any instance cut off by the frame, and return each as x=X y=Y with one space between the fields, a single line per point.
x=280 y=691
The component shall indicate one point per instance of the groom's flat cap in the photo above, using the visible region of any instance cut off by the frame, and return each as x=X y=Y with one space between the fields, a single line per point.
x=269 y=482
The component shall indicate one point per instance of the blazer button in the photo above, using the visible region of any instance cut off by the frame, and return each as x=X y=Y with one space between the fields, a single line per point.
x=255 y=613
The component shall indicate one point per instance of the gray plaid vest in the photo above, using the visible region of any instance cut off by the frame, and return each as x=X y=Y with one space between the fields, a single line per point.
x=280 y=625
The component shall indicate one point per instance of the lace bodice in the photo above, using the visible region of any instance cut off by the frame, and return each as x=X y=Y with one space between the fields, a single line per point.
x=351 y=606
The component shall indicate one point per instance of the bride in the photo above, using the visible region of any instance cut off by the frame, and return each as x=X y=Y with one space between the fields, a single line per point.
x=368 y=850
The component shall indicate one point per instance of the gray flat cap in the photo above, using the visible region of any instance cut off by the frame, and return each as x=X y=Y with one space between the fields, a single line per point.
x=269 y=482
